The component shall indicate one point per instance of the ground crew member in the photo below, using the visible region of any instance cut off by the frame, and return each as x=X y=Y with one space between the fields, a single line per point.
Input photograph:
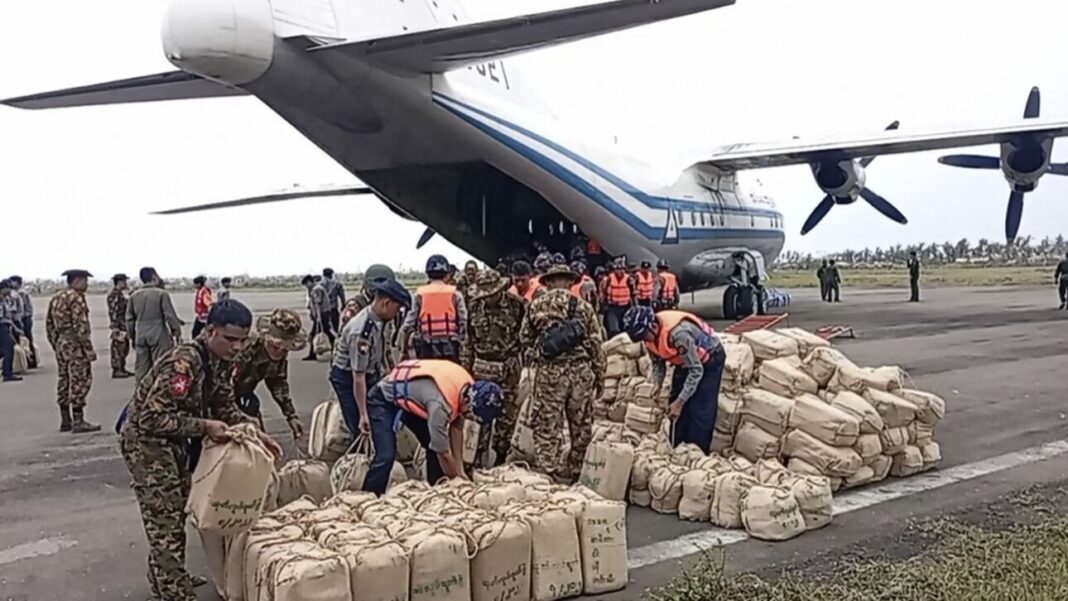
x=563 y=340
x=265 y=358
x=618 y=297
x=523 y=285
x=821 y=276
x=834 y=283
x=467 y=279
x=645 y=285
x=361 y=353
x=120 y=341
x=375 y=274
x=335 y=299
x=26 y=304
x=585 y=288
x=667 y=296
x=151 y=322
x=687 y=342
x=224 y=289
x=914 y=277
x=432 y=397
x=202 y=302
x=187 y=395
x=1060 y=277
x=492 y=352
x=323 y=306
x=67 y=325
x=8 y=330
x=438 y=318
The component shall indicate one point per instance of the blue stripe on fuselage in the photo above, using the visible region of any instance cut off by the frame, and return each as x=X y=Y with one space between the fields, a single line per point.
x=587 y=189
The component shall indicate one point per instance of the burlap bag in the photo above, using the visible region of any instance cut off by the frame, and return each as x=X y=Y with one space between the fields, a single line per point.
x=606 y=469
x=822 y=363
x=380 y=570
x=930 y=408
x=556 y=557
x=833 y=426
x=500 y=568
x=726 y=509
x=317 y=574
x=354 y=500
x=895 y=411
x=739 y=368
x=894 y=440
x=698 y=487
x=714 y=463
x=440 y=565
x=806 y=341
x=643 y=419
x=767 y=344
x=770 y=513
x=831 y=461
x=214 y=546
x=616 y=345
x=881 y=467
x=492 y=496
x=270 y=560
x=907 y=462
x=407 y=445
x=920 y=434
x=351 y=469
x=328 y=436
x=665 y=488
x=619 y=366
x=857 y=406
x=768 y=410
x=863 y=476
x=301 y=477
x=785 y=378
x=687 y=454
x=645 y=394
x=230 y=483
x=932 y=455
x=471 y=431
x=868 y=446
x=602 y=528
x=318 y=521
x=522 y=448
x=857 y=379
x=728 y=413
x=754 y=443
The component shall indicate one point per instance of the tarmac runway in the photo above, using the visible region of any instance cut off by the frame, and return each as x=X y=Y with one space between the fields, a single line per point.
x=70 y=530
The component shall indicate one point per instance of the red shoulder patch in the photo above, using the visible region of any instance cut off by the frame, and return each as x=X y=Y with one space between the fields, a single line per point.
x=180 y=385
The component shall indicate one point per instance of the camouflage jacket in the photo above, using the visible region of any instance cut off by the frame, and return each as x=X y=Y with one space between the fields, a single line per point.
x=173 y=399
x=253 y=365
x=550 y=309
x=493 y=332
x=117 y=302
x=67 y=323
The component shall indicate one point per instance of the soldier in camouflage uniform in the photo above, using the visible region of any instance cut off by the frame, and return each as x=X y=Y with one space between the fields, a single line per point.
x=187 y=394
x=565 y=385
x=265 y=359
x=492 y=352
x=67 y=327
x=120 y=342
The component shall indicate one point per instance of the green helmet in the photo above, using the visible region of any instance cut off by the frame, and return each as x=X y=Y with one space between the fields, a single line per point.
x=377 y=274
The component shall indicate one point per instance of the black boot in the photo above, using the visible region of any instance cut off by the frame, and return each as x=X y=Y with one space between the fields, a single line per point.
x=65 y=424
x=80 y=426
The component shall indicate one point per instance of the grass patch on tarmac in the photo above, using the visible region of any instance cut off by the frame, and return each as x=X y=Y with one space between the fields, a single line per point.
x=1025 y=562
x=936 y=275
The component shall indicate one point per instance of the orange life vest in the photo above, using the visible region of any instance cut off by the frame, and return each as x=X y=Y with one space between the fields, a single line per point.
x=593 y=247
x=576 y=288
x=668 y=321
x=646 y=285
x=618 y=292
x=531 y=289
x=437 y=310
x=450 y=378
x=670 y=290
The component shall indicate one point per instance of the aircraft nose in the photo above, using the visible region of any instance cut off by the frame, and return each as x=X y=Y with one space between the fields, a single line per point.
x=230 y=41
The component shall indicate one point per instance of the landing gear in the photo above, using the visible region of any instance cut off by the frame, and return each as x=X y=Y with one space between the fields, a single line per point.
x=741 y=301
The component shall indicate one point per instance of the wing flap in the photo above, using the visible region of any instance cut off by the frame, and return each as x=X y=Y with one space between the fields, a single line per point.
x=445 y=49
x=761 y=155
x=174 y=85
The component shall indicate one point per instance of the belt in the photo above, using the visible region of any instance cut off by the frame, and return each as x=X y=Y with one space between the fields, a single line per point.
x=497 y=357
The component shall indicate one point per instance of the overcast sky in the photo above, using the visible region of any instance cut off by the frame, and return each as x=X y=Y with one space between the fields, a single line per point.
x=78 y=184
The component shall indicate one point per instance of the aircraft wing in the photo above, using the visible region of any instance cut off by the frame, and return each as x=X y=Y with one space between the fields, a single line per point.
x=444 y=49
x=175 y=85
x=736 y=157
x=291 y=194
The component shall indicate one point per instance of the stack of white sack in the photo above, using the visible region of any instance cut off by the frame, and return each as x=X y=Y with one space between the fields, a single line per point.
x=508 y=534
x=628 y=368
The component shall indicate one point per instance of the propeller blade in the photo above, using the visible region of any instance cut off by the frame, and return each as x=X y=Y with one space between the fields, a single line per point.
x=864 y=162
x=1058 y=168
x=883 y=206
x=1034 y=104
x=1013 y=216
x=427 y=235
x=818 y=214
x=971 y=161
x=293 y=194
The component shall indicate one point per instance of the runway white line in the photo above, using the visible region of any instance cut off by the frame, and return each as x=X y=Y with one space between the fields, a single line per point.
x=696 y=542
x=40 y=548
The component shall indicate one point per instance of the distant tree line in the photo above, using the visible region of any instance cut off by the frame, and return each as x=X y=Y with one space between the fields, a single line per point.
x=1025 y=251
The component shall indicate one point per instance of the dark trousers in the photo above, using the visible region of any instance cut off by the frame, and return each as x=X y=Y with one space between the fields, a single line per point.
x=7 y=349
x=198 y=326
x=824 y=291
x=335 y=321
x=27 y=331
x=697 y=421
x=1062 y=290
x=341 y=380
x=613 y=319
x=914 y=284
x=383 y=414
x=833 y=289
x=437 y=349
x=326 y=324
x=645 y=302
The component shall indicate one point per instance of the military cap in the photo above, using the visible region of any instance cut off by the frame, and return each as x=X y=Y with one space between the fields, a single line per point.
x=283 y=327
x=7 y=285
x=119 y=277
x=646 y=264
x=560 y=270
x=395 y=291
x=376 y=273
x=487 y=283
x=77 y=273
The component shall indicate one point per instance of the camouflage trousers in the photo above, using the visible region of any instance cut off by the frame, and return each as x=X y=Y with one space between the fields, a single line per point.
x=161 y=483
x=500 y=436
x=563 y=394
x=75 y=378
x=120 y=349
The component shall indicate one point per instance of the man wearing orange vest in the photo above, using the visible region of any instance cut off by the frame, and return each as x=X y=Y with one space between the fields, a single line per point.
x=585 y=288
x=618 y=297
x=524 y=286
x=667 y=295
x=438 y=318
x=645 y=285
x=432 y=397
x=687 y=342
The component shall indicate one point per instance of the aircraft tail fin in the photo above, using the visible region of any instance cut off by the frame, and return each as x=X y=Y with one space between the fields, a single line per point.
x=449 y=48
x=174 y=85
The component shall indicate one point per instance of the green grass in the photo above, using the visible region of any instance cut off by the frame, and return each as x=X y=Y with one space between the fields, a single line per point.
x=967 y=563
x=946 y=275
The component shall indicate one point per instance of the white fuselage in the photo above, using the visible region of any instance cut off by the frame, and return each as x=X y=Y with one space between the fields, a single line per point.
x=468 y=151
